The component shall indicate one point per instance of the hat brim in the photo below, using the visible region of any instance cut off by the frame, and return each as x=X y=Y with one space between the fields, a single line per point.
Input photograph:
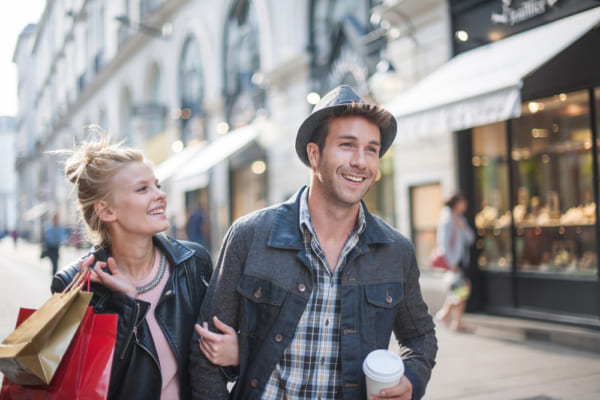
x=307 y=129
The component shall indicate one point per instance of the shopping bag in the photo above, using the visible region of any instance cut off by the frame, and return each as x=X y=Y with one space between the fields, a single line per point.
x=437 y=260
x=84 y=372
x=457 y=287
x=31 y=353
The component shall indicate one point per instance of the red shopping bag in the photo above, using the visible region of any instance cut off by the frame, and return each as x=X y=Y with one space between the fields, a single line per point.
x=84 y=372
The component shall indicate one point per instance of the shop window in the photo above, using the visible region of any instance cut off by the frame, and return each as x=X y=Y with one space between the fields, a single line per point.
x=553 y=203
x=248 y=189
x=426 y=205
x=548 y=183
x=492 y=202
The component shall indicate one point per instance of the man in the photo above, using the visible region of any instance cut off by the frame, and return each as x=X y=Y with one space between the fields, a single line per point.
x=316 y=283
x=54 y=236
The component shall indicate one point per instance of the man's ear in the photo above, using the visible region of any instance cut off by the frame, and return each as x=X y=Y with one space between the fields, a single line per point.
x=104 y=211
x=313 y=153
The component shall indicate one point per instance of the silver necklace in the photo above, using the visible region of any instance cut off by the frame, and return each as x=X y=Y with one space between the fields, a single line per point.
x=152 y=284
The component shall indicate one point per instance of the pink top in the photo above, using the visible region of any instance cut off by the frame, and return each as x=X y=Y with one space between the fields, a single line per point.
x=166 y=358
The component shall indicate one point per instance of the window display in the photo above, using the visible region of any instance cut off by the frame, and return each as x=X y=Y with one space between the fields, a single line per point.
x=493 y=218
x=551 y=188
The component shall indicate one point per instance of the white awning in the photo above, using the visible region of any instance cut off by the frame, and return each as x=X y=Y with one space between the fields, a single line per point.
x=171 y=165
x=483 y=85
x=36 y=211
x=193 y=174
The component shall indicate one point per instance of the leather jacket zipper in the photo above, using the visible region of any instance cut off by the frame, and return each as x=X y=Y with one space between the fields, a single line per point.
x=133 y=331
x=134 y=334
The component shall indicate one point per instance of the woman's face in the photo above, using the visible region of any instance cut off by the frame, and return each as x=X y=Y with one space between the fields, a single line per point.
x=460 y=207
x=138 y=204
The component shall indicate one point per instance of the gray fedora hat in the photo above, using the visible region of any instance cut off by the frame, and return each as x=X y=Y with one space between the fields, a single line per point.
x=340 y=98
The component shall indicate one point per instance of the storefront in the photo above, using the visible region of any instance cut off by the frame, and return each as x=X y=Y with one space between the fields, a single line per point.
x=524 y=111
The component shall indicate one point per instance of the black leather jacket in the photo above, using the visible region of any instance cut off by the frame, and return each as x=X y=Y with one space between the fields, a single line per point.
x=135 y=370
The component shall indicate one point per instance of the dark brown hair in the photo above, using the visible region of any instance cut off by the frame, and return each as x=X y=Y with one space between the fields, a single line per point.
x=455 y=198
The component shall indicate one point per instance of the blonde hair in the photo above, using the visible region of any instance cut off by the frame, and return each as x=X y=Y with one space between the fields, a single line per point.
x=91 y=168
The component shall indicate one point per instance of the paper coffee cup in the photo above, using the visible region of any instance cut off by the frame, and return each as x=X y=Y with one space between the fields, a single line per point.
x=383 y=369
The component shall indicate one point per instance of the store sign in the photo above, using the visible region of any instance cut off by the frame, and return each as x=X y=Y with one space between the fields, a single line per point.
x=514 y=14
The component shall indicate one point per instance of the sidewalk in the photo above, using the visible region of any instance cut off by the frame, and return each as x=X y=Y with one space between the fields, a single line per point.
x=25 y=278
x=511 y=358
x=518 y=329
x=501 y=360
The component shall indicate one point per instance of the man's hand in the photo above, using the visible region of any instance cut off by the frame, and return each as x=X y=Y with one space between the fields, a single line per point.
x=402 y=391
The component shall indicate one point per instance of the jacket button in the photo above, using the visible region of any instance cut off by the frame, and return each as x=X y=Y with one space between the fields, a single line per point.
x=302 y=287
x=388 y=299
x=278 y=338
x=254 y=383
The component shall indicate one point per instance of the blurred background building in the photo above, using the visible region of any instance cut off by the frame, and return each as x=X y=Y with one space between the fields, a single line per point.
x=498 y=98
x=8 y=183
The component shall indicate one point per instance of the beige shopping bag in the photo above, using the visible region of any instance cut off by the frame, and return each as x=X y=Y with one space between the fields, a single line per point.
x=31 y=353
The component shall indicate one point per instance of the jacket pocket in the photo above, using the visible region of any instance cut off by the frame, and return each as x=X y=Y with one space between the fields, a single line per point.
x=383 y=301
x=261 y=303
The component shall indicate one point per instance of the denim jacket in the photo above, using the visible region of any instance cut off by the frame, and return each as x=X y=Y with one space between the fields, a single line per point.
x=262 y=283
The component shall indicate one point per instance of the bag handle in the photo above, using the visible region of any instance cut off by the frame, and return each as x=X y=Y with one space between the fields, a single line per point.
x=78 y=282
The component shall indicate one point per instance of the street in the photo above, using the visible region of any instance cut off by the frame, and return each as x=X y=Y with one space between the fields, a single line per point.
x=484 y=365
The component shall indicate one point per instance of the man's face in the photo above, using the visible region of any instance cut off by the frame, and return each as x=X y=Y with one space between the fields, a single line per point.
x=346 y=168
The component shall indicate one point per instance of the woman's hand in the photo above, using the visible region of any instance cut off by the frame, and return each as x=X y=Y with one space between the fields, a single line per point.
x=220 y=349
x=115 y=281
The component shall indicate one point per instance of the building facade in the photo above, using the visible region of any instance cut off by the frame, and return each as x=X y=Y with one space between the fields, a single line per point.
x=497 y=98
x=520 y=98
x=214 y=92
x=8 y=184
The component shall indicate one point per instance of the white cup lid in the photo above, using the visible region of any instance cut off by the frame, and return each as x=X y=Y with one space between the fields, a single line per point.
x=383 y=365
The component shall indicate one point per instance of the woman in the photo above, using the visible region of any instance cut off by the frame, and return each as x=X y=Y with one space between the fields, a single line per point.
x=153 y=282
x=454 y=237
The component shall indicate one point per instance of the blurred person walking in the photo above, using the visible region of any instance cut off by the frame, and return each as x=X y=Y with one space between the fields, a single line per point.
x=454 y=238
x=54 y=236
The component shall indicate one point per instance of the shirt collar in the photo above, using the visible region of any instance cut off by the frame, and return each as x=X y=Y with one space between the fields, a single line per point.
x=306 y=224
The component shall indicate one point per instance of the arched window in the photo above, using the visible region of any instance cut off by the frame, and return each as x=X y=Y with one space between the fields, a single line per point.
x=342 y=51
x=244 y=94
x=191 y=89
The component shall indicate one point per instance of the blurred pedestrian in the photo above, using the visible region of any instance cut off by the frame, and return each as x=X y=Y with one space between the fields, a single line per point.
x=195 y=228
x=153 y=282
x=15 y=236
x=54 y=236
x=454 y=238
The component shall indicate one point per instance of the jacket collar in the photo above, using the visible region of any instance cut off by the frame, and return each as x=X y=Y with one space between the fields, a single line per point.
x=175 y=251
x=286 y=234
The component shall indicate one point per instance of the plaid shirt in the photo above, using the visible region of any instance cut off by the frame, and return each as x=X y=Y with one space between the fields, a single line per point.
x=310 y=367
